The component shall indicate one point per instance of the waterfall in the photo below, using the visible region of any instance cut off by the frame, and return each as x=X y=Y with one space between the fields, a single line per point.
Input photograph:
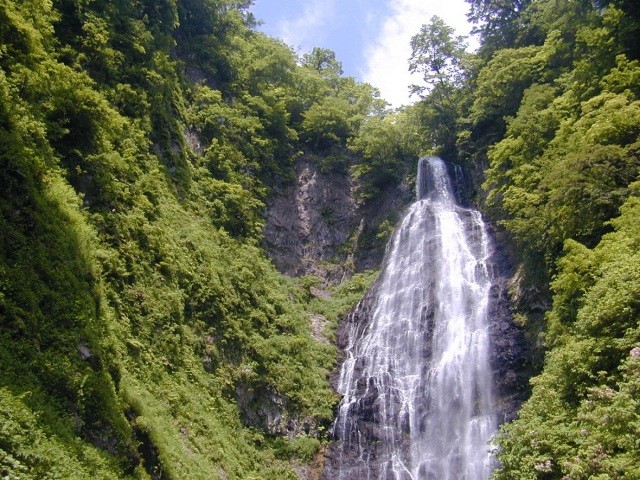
x=416 y=380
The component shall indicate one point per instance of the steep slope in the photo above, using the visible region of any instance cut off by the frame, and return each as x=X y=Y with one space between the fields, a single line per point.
x=317 y=226
x=143 y=332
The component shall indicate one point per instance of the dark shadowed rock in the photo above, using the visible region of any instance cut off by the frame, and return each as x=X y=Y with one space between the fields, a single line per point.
x=511 y=353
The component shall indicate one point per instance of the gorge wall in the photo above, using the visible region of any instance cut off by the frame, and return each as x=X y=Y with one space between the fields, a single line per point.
x=315 y=226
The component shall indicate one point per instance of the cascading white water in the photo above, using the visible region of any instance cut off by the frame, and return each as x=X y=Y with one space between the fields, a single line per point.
x=416 y=381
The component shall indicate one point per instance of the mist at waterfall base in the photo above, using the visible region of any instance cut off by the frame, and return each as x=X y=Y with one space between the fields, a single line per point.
x=416 y=381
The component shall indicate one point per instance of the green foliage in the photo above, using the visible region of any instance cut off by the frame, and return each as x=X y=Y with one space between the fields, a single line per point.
x=502 y=82
x=337 y=115
x=437 y=54
x=576 y=265
x=445 y=66
x=497 y=22
x=583 y=417
x=37 y=442
x=327 y=123
x=324 y=61
x=388 y=145
x=302 y=447
x=378 y=143
x=561 y=175
x=342 y=298
x=138 y=141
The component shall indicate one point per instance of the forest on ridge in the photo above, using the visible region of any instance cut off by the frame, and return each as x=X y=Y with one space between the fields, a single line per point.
x=144 y=334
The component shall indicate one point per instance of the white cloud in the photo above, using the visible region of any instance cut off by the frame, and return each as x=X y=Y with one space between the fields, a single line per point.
x=387 y=57
x=307 y=30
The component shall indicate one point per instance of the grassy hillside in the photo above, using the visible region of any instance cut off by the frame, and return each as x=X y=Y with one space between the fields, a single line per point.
x=143 y=334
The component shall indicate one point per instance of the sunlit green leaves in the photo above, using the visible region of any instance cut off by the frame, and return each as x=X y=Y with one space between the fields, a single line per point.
x=437 y=54
x=130 y=222
x=591 y=369
x=563 y=174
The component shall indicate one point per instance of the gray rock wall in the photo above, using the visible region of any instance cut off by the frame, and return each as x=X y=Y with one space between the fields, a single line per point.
x=315 y=226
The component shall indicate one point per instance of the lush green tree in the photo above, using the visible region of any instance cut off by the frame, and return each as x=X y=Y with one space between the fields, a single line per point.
x=327 y=123
x=583 y=417
x=388 y=146
x=442 y=61
x=437 y=55
x=324 y=61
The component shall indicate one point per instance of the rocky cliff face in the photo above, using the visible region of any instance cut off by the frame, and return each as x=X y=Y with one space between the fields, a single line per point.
x=511 y=353
x=315 y=226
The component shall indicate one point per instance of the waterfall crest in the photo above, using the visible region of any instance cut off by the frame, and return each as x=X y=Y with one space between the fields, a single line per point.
x=416 y=381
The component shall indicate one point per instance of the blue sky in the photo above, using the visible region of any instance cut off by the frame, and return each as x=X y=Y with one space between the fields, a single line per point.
x=370 y=37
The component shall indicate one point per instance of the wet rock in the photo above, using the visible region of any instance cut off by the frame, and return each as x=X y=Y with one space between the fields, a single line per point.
x=511 y=353
x=84 y=351
x=318 y=326
x=265 y=409
x=510 y=360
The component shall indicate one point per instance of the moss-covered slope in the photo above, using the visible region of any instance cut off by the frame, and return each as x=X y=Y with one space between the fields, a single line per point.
x=143 y=333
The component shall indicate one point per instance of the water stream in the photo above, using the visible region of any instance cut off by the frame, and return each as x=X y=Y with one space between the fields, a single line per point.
x=416 y=381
